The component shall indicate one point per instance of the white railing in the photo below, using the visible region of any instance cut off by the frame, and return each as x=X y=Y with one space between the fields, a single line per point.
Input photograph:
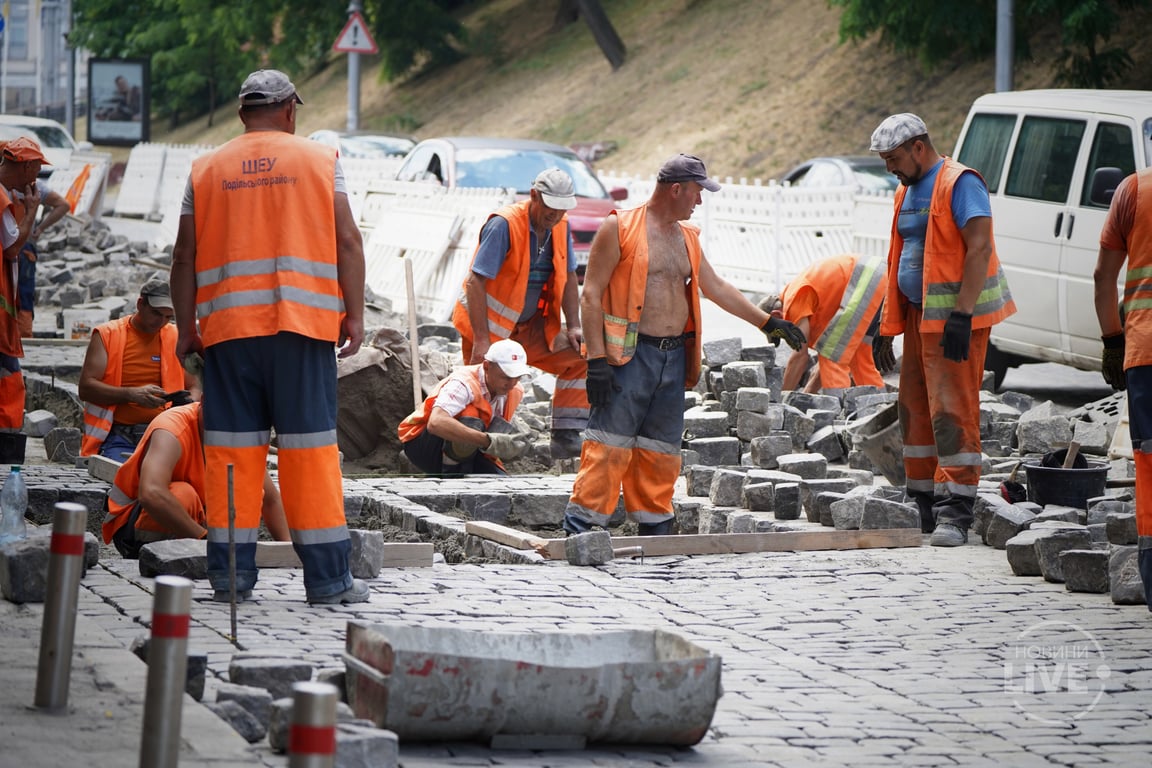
x=756 y=235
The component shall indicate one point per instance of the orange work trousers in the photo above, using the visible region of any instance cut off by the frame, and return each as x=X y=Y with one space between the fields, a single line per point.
x=940 y=412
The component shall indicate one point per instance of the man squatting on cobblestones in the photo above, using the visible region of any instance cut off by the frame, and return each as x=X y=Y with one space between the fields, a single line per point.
x=1127 y=357
x=945 y=292
x=641 y=312
x=269 y=256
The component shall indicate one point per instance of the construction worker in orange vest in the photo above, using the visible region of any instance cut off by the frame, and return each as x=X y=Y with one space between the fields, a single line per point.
x=20 y=163
x=641 y=308
x=131 y=374
x=836 y=303
x=1126 y=360
x=269 y=256
x=522 y=279
x=945 y=292
x=464 y=426
x=158 y=493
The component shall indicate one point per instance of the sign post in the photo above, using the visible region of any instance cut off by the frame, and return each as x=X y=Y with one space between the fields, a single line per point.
x=354 y=40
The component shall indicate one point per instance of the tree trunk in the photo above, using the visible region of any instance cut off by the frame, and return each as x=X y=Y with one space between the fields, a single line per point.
x=602 y=30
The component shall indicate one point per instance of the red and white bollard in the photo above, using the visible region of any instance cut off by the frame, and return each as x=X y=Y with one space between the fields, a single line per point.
x=58 y=630
x=312 y=738
x=167 y=672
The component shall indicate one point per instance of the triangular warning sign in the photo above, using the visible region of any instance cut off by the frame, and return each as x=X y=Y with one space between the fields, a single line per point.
x=355 y=37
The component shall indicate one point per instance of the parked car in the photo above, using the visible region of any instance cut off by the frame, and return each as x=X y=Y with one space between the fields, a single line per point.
x=866 y=172
x=514 y=164
x=1051 y=159
x=364 y=143
x=53 y=138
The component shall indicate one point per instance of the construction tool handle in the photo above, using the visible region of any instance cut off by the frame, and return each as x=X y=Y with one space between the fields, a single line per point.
x=628 y=552
x=1070 y=456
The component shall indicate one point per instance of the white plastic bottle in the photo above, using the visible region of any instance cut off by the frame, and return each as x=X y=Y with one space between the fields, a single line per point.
x=13 y=504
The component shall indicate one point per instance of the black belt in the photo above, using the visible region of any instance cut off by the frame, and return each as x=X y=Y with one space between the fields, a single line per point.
x=665 y=342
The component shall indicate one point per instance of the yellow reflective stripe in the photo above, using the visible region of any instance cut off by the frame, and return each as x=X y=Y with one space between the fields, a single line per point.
x=319 y=535
x=502 y=310
x=271 y=266
x=271 y=296
x=243 y=535
x=307 y=440
x=962 y=460
x=220 y=439
x=118 y=496
x=865 y=281
x=919 y=451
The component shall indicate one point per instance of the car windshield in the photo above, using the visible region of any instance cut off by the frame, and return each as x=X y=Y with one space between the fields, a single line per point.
x=874 y=178
x=517 y=168
x=374 y=146
x=45 y=135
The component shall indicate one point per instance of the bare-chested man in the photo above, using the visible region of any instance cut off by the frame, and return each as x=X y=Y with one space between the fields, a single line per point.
x=641 y=310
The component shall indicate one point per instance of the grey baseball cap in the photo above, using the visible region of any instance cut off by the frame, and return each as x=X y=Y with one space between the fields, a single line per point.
x=686 y=168
x=157 y=293
x=267 y=86
x=895 y=130
x=556 y=189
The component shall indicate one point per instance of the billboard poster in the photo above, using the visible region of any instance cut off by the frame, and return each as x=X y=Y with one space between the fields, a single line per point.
x=118 y=91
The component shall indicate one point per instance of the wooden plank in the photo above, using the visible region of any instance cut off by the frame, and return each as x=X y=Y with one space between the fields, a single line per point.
x=280 y=554
x=502 y=534
x=742 y=543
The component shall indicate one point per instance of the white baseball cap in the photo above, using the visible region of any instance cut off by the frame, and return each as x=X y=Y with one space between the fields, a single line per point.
x=556 y=189
x=510 y=356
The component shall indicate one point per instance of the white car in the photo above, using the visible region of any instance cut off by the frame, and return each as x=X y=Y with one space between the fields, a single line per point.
x=53 y=138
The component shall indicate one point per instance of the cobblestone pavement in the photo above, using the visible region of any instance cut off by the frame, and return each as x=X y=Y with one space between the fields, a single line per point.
x=914 y=657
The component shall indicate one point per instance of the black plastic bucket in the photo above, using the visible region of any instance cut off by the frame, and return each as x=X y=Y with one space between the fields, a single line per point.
x=1066 y=487
x=12 y=445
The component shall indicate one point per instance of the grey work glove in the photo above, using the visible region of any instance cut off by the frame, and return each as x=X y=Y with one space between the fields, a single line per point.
x=1112 y=361
x=957 y=336
x=883 y=355
x=507 y=447
x=777 y=328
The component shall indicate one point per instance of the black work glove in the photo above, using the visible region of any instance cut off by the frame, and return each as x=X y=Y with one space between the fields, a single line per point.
x=601 y=382
x=957 y=336
x=1112 y=361
x=777 y=328
x=179 y=397
x=883 y=355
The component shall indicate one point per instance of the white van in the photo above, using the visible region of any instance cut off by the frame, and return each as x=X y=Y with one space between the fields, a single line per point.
x=1052 y=159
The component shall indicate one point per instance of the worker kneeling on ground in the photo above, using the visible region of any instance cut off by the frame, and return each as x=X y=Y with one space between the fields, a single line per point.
x=464 y=425
x=836 y=301
x=159 y=491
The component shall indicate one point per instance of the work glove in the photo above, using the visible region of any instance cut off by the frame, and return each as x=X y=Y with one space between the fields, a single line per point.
x=1112 y=361
x=777 y=328
x=957 y=336
x=601 y=382
x=883 y=355
x=507 y=446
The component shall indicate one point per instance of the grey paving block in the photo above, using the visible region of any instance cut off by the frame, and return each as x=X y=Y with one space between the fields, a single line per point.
x=593 y=548
x=717 y=451
x=1122 y=528
x=367 y=555
x=743 y=374
x=727 y=485
x=758 y=497
x=702 y=422
x=366 y=746
x=766 y=450
x=1021 y=553
x=882 y=513
x=241 y=720
x=257 y=701
x=24 y=569
x=274 y=674
x=807 y=465
x=1007 y=521
x=1124 y=580
x=1052 y=542
x=174 y=557
x=1085 y=570
x=757 y=399
x=787 y=501
x=846 y=510
x=714 y=519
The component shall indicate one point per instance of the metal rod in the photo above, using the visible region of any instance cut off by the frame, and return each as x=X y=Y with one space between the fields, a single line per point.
x=312 y=738
x=58 y=630
x=413 y=334
x=167 y=673
x=232 y=554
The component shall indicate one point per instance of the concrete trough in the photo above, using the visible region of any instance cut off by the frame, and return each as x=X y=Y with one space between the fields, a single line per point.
x=636 y=686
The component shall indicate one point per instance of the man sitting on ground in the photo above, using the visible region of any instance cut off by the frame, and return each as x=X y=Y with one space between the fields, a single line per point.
x=456 y=432
x=131 y=374
x=159 y=491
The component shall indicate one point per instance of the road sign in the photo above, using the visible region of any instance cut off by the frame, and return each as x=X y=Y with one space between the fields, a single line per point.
x=355 y=37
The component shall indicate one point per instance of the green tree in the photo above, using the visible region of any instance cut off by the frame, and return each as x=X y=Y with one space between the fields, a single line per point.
x=932 y=32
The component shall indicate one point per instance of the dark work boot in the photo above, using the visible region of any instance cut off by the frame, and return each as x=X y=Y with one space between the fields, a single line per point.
x=924 y=501
x=663 y=528
x=573 y=525
x=1144 y=561
x=953 y=519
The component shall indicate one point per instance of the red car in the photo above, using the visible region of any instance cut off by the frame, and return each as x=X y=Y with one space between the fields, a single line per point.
x=514 y=164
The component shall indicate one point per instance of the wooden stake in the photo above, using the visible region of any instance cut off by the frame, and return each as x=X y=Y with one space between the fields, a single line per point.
x=413 y=336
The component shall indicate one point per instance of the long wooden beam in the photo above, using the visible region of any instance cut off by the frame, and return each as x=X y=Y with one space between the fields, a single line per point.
x=715 y=543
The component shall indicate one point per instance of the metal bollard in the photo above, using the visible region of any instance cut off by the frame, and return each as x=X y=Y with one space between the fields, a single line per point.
x=167 y=673
x=58 y=630
x=312 y=738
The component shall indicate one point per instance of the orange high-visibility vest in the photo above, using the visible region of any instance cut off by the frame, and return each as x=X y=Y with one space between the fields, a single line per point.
x=417 y=421
x=10 y=343
x=850 y=290
x=506 y=291
x=98 y=419
x=1138 y=279
x=184 y=424
x=266 y=239
x=944 y=252
x=623 y=300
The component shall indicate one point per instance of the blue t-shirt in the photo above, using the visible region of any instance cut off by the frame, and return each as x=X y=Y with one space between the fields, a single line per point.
x=494 y=244
x=969 y=200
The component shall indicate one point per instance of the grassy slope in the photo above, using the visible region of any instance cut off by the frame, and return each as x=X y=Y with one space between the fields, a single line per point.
x=753 y=86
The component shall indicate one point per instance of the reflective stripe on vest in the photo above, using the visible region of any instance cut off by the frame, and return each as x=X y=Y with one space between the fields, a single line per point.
x=858 y=305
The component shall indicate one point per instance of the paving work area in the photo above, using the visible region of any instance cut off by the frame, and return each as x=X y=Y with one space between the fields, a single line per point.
x=914 y=656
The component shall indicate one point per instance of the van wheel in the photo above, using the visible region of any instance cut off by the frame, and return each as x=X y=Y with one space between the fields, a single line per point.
x=999 y=363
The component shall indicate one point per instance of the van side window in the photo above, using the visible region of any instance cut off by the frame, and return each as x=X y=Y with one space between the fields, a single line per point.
x=1112 y=147
x=1044 y=159
x=986 y=146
